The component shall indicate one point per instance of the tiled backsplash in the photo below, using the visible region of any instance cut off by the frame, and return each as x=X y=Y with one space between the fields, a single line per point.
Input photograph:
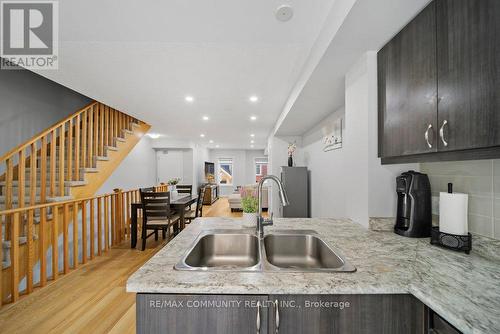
x=478 y=178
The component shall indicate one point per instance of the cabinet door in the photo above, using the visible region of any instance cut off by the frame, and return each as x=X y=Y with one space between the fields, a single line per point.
x=468 y=39
x=198 y=314
x=407 y=89
x=353 y=314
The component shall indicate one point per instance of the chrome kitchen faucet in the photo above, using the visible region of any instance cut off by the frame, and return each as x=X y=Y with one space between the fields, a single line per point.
x=261 y=222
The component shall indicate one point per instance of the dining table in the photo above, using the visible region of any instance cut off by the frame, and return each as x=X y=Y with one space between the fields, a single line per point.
x=178 y=203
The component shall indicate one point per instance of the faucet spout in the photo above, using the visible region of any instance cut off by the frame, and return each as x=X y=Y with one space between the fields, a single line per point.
x=261 y=222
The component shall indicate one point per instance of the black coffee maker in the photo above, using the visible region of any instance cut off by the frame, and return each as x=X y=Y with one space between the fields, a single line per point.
x=414 y=217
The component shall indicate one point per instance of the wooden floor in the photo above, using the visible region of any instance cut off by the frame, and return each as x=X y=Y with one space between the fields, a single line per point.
x=220 y=208
x=91 y=299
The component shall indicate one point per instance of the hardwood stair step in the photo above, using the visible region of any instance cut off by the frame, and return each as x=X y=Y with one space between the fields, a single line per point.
x=7 y=244
x=15 y=199
x=38 y=190
x=84 y=170
x=38 y=183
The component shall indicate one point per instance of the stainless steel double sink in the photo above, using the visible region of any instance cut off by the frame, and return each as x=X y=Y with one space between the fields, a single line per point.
x=241 y=250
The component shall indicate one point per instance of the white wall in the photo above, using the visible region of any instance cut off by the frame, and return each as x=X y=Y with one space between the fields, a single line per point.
x=137 y=170
x=243 y=166
x=200 y=155
x=358 y=104
x=327 y=171
x=250 y=156
x=175 y=163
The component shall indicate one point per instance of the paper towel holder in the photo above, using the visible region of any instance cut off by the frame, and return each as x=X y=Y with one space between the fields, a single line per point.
x=460 y=243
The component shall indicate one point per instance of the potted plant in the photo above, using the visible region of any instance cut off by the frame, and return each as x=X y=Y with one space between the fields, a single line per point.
x=291 y=150
x=172 y=184
x=249 y=205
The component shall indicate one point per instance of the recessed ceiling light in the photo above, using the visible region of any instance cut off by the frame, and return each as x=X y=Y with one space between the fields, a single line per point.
x=253 y=98
x=211 y=141
x=154 y=135
x=252 y=135
x=202 y=135
x=284 y=13
x=251 y=146
x=206 y=118
x=217 y=146
x=189 y=98
x=253 y=118
x=252 y=141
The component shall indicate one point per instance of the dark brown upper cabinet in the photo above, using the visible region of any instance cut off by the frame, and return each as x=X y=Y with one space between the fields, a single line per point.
x=468 y=53
x=441 y=73
x=407 y=90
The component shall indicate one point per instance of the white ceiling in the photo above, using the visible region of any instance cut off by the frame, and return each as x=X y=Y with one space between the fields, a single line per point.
x=144 y=57
x=368 y=26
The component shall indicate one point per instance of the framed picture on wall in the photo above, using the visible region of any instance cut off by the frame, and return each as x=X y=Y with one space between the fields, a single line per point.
x=332 y=136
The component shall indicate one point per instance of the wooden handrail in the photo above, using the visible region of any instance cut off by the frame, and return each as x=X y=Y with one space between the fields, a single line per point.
x=50 y=205
x=44 y=133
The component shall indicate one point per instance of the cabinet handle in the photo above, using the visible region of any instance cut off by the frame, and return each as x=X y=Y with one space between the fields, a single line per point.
x=441 y=133
x=258 y=317
x=426 y=135
x=277 y=316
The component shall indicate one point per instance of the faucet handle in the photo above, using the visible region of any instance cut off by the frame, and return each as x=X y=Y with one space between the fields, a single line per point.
x=268 y=221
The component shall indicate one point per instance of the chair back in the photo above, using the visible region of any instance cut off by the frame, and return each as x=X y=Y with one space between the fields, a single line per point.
x=148 y=190
x=155 y=205
x=199 y=202
x=184 y=188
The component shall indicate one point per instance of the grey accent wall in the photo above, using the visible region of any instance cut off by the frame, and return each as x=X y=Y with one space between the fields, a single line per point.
x=30 y=103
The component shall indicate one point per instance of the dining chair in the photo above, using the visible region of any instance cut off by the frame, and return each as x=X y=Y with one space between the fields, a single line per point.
x=156 y=214
x=198 y=212
x=184 y=188
x=148 y=189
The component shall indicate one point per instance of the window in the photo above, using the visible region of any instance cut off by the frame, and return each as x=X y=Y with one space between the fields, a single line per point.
x=260 y=168
x=225 y=171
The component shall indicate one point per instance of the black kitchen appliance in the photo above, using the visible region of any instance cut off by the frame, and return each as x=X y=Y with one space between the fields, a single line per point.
x=414 y=216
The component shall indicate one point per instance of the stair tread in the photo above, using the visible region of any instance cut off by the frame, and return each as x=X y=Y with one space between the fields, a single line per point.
x=38 y=183
x=15 y=199
x=82 y=169
x=22 y=240
x=59 y=199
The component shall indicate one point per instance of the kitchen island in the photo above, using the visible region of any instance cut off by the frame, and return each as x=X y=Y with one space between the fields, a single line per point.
x=463 y=289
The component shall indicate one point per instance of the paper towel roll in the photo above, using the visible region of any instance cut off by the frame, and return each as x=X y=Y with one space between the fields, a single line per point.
x=453 y=213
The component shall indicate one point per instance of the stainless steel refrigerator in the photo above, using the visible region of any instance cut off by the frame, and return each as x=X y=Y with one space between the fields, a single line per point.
x=296 y=183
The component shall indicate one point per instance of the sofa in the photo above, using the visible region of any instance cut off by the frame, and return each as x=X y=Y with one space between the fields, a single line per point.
x=235 y=198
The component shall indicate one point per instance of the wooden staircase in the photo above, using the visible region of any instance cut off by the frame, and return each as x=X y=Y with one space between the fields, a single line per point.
x=73 y=158
x=47 y=186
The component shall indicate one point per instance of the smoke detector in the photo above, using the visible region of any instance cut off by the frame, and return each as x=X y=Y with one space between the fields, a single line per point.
x=284 y=13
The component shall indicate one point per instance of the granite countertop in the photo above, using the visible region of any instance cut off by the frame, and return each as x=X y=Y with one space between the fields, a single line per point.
x=464 y=289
